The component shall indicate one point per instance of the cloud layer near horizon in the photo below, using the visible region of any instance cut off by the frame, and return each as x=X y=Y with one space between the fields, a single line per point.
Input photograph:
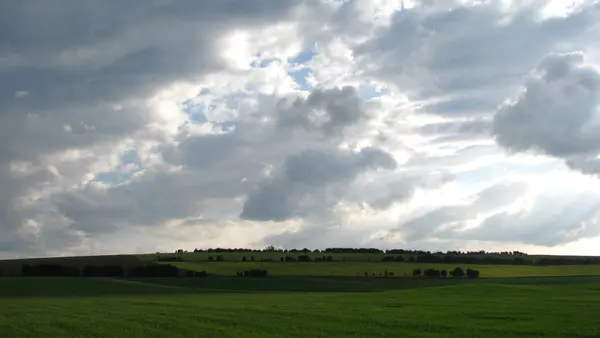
x=154 y=125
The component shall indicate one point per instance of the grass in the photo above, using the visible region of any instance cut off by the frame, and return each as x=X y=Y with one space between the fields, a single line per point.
x=80 y=307
x=399 y=269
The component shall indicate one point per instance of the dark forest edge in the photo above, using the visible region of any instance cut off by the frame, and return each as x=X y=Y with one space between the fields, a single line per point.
x=167 y=270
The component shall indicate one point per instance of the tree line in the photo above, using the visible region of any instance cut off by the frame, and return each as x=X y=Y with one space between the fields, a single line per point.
x=456 y=273
x=488 y=259
x=149 y=270
x=271 y=248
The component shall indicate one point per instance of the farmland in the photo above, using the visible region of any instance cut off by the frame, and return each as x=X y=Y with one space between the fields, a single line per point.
x=512 y=307
x=347 y=295
x=399 y=269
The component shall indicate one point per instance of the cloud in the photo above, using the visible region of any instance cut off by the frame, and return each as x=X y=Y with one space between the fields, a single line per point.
x=556 y=113
x=199 y=123
x=432 y=52
x=310 y=182
x=328 y=111
x=87 y=87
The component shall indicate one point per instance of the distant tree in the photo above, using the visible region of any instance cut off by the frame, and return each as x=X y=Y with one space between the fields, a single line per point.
x=252 y=258
x=304 y=258
x=282 y=259
x=444 y=273
x=211 y=258
x=416 y=273
x=270 y=248
x=244 y=258
x=457 y=273
x=472 y=273
x=390 y=274
x=366 y=274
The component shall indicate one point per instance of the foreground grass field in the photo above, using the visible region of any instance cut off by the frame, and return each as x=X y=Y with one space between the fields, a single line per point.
x=399 y=269
x=79 y=307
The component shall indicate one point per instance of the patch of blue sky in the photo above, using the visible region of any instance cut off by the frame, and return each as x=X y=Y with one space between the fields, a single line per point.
x=300 y=71
x=195 y=111
x=301 y=76
x=368 y=92
x=303 y=57
x=129 y=165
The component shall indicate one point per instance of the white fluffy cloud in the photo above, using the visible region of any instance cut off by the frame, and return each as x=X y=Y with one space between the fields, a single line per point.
x=150 y=125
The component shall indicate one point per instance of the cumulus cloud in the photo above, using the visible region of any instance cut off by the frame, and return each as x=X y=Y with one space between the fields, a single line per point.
x=328 y=111
x=556 y=113
x=311 y=181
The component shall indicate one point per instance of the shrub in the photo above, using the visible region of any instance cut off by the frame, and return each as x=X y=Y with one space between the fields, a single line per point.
x=457 y=273
x=416 y=273
x=472 y=273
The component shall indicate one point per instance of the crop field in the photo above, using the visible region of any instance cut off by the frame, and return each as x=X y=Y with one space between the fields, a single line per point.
x=181 y=307
x=399 y=269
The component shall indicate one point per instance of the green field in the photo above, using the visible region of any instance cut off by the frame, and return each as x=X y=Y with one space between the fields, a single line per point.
x=399 y=269
x=180 y=307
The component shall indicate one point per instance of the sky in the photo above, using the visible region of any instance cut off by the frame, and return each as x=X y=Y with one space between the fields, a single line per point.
x=153 y=125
